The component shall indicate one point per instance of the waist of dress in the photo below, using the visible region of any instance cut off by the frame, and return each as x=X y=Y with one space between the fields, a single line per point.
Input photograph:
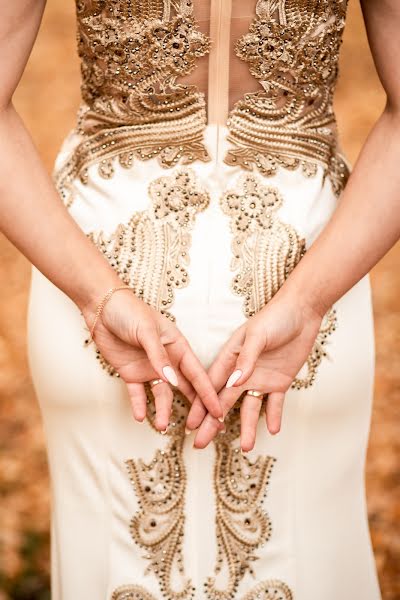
x=246 y=141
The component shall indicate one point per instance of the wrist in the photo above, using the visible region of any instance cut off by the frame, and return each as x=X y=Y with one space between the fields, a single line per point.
x=89 y=295
x=309 y=297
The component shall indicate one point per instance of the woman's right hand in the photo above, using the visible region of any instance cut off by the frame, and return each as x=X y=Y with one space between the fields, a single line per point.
x=142 y=345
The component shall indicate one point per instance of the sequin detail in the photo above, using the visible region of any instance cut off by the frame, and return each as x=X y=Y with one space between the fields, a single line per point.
x=292 y=48
x=132 y=53
x=132 y=592
x=160 y=486
x=151 y=252
x=242 y=524
x=265 y=252
x=270 y=590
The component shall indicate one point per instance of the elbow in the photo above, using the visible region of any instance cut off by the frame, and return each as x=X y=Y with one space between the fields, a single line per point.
x=392 y=109
x=6 y=106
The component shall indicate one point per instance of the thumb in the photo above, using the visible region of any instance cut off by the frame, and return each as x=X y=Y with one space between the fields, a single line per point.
x=254 y=343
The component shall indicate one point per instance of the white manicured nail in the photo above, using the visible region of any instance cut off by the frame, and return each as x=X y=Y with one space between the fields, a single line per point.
x=188 y=431
x=236 y=375
x=221 y=419
x=164 y=431
x=170 y=375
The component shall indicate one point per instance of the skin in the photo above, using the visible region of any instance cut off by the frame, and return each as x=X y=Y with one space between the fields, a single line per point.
x=133 y=337
x=269 y=348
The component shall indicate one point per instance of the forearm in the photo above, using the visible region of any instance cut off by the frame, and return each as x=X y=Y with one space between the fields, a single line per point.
x=35 y=220
x=365 y=225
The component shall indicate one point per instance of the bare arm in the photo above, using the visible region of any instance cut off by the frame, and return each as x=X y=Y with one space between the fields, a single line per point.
x=131 y=336
x=267 y=352
x=32 y=215
x=366 y=223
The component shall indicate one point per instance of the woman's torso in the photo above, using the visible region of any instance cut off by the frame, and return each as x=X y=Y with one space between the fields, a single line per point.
x=204 y=198
x=205 y=157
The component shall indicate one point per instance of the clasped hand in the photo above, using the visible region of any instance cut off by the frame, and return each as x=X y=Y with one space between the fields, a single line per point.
x=263 y=354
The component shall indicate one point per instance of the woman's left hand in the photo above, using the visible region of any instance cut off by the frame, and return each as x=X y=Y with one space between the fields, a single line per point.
x=264 y=354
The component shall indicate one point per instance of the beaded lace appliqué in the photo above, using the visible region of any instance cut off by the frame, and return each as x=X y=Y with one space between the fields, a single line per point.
x=265 y=252
x=241 y=523
x=265 y=249
x=270 y=590
x=132 y=592
x=132 y=53
x=292 y=48
x=151 y=252
x=160 y=486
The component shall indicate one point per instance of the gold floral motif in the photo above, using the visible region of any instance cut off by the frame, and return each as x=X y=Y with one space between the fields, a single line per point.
x=265 y=249
x=160 y=486
x=270 y=590
x=132 y=52
x=132 y=592
x=241 y=523
x=265 y=252
x=292 y=48
x=151 y=252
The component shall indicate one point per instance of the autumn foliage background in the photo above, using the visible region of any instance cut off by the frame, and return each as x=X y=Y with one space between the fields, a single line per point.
x=47 y=99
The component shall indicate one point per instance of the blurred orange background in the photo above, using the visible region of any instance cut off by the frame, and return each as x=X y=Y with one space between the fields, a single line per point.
x=47 y=99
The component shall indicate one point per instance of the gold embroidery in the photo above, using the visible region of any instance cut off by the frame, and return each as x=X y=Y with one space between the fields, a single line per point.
x=265 y=249
x=265 y=253
x=318 y=352
x=132 y=52
x=151 y=252
x=242 y=525
x=292 y=48
x=270 y=590
x=132 y=592
x=158 y=527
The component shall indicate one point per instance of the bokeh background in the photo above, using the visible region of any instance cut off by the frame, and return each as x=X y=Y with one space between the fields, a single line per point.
x=47 y=99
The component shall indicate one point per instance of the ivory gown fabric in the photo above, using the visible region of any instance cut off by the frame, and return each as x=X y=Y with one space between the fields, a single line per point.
x=203 y=165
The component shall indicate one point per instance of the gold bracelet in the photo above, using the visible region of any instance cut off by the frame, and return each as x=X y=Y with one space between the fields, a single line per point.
x=101 y=305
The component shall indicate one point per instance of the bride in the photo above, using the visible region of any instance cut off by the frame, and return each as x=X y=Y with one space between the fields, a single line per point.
x=199 y=285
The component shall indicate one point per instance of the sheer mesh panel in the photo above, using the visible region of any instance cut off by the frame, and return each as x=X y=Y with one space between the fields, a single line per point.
x=221 y=75
x=235 y=78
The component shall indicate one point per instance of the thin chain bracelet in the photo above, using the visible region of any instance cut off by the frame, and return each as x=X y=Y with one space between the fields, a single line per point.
x=100 y=308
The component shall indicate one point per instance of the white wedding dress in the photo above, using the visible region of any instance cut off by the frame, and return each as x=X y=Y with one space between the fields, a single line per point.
x=203 y=164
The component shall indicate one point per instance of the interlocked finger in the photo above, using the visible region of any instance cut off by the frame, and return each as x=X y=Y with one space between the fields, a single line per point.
x=197 y=375
x=196 y=414
x=249 y=415
x=218 y=374
x=273 y=411
x=138 y=400
x=185 y=387
x=211 y=426
x=163 y=397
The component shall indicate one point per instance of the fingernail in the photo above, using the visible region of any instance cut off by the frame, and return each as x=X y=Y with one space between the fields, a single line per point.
x=236 y=375
x=223 y=430
x=164 y=431
x=170 y=375
x=188 y=431
x=221 y=419
x=243 y=451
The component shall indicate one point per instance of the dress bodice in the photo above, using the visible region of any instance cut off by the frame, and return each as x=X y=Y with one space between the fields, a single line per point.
x=155 y=73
